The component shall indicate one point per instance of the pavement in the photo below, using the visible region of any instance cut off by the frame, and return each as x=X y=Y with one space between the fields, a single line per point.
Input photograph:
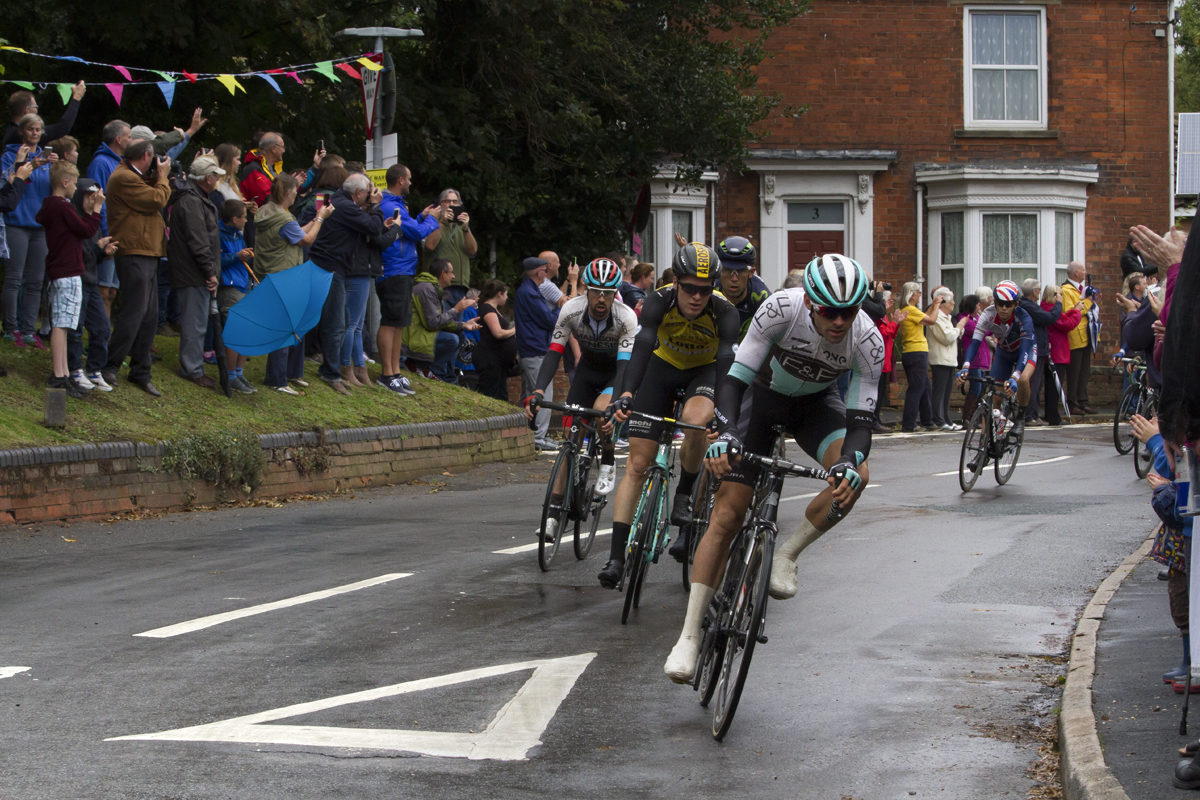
x=402 y=642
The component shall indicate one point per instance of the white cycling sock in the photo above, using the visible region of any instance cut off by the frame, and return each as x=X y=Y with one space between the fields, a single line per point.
x=805 y=535
x=698 y=600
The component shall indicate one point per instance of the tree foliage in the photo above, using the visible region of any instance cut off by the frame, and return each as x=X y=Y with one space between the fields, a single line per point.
x=1187 y=58
x=548 y=115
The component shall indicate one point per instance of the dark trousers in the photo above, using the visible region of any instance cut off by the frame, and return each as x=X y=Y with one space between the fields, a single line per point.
x=136 y=319
x=491 y=379
x=168 y=303
x=1052 y=394
x=882 y=401
x=943 y=383
x=1035 y=387
x=1078 y=372
x=284 y=364
x=94 y=320
x=918 y=397
x=333 y=330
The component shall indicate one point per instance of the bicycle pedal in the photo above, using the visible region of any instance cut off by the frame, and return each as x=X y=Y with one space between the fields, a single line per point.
x=762 y=638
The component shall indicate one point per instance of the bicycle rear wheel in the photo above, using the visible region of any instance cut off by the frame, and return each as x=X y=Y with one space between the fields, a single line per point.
x=702 y=504
x=1142 y=458
x=976 y=442
x=746 y=618
x=1123 y=438
x=556 y=511
x=588 y=506
x=1009 y=451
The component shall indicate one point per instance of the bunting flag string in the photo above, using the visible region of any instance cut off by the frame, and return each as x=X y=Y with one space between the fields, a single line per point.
x=168 y=90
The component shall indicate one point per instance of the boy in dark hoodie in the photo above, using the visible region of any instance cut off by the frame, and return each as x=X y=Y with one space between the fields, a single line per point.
x=235 y=281
x=92 y=315
x=66 y=232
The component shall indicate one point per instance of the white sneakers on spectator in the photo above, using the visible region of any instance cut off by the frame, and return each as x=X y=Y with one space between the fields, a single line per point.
x=82 y=381
x=287 y=390
x=607 y=479
x=97 y=381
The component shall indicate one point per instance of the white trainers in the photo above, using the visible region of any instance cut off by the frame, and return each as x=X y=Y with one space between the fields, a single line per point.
x=81 y=381
x=783 y=578
x=607 y=481
x=97 y=381
x=681 y=664
x=551 y=530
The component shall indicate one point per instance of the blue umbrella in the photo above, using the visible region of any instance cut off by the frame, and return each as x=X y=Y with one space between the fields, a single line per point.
x=280 y=310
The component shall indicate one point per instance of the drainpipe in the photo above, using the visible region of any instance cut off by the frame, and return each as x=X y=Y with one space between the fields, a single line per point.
x=921 y=235
x=1171 y=111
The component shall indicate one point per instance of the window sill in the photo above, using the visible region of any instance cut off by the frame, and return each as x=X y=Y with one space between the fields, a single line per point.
x=1005 y=133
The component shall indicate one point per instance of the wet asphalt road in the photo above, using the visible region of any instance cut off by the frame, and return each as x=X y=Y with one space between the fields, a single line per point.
x=916 y=661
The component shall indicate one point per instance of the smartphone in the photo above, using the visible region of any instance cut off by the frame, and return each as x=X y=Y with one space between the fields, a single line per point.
x=321 y=145
x=320 y=202
x=455 y=211
x=47 y=150
x=396 y=215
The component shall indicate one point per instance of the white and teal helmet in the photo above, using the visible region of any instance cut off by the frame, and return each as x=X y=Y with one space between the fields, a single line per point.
x=833 y=280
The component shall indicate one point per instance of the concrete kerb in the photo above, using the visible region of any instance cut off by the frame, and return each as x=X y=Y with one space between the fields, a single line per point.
x=1084 y=774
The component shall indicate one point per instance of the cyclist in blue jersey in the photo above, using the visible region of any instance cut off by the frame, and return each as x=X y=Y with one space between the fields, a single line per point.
x=738 y=282
x=1016 y=353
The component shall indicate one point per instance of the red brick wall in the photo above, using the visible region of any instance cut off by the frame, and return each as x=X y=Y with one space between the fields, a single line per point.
x=885 y=74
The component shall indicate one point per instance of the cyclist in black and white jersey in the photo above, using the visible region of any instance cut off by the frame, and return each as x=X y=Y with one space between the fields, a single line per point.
x=799 y=342
x=604 y=330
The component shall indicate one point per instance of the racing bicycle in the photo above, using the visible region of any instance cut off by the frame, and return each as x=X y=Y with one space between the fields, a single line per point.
x=983 y=439
x=1138 y=398
x=736 y=618
x=580 y=457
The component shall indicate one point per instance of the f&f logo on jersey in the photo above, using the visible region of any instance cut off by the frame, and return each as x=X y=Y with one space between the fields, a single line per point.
x=805 y=367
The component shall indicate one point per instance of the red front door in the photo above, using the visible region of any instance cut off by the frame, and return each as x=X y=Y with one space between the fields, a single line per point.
x=803 y=245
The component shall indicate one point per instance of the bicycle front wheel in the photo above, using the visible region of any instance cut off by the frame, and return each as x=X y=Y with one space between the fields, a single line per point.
x=588 y=506
x=1143 y=460
x=555 y=510
x=1123 y=438
x=654 y=518
x=1009 y=451
x=746 y=625
x=976 y=442
x=635 y=558
x=702 y=504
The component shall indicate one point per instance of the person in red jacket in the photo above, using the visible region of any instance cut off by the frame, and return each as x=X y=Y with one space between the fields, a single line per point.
x=1060 y=351
x=66 y=232
x=888 y=327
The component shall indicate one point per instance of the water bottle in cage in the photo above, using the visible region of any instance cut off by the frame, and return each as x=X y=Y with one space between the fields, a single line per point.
x=999 y=421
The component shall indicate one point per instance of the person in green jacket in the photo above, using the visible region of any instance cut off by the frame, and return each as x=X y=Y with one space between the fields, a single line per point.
x=431 y=341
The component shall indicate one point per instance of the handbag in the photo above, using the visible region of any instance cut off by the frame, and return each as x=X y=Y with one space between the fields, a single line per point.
x=1169 y=548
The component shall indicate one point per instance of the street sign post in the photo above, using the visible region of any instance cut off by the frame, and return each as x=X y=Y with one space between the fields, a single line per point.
x=370 y=87
x=374 y=145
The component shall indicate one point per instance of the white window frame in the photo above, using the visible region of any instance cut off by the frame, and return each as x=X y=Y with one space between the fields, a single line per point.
x=969 y=121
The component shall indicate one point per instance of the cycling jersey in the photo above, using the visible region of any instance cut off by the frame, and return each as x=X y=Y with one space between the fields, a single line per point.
x=756 y=292
x=1014 y=338
x=682 y=343
x=784 y=353
x=604 y=344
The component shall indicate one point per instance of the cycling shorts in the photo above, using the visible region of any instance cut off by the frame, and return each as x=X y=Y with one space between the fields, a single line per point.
x=1004 y=362
x=588 y=384
x=815 y=421
x=660 y=386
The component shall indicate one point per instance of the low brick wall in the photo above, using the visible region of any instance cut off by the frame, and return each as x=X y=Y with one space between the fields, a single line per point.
x=78 y=482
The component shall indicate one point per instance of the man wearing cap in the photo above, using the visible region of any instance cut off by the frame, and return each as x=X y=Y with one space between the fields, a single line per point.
x=194 y=255
x=535 y=323
x=170 y=144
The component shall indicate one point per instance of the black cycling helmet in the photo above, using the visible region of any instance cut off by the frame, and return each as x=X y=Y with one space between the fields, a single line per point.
x=698 y=260
x=736 y=252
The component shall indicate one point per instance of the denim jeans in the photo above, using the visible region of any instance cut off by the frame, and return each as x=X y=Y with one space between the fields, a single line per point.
x=284 y=364
x=444 y=351
x=358 y=289
x=94 y=320
x=333 y=329
x=23 y=278
x=168 y=300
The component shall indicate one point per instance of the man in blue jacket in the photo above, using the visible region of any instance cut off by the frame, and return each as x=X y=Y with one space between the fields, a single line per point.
x=114 y=139
x=399 y=268
x=1031 y=291
x=355 y=216
x=535 y=323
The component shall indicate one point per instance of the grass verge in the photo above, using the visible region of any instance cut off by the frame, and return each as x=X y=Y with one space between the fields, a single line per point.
x=129 y=414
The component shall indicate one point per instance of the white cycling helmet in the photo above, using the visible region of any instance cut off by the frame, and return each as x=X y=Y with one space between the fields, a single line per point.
x=835 y=281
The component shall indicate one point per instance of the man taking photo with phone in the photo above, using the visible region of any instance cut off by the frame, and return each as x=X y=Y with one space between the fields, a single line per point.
x=453 y=239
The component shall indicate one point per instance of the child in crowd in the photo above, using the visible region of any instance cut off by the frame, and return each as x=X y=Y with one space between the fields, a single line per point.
x=92 y=316
x=235 y=281
x=67 y=148
x=66 y=232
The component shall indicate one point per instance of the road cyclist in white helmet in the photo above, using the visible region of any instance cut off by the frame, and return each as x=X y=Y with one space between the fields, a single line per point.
x=605 y=329
x=798 y=344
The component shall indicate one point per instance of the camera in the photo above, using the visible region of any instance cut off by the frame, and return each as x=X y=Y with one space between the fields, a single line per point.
x=887 y=287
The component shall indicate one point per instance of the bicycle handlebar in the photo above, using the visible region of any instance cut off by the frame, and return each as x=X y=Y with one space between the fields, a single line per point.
x=576 y=411
x=669 y=421
x=784 y=466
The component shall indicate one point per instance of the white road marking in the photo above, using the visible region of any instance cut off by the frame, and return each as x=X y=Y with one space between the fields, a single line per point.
x=1019 y=464
x=217 y=619
x=814 y=494
x=525 y=548
x=516 y=728
x=8 y=672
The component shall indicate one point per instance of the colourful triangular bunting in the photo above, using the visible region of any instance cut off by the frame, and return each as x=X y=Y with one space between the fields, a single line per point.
x=123 y=71
x=271 y=81
x=117 y=89
x=64 y=91
x=230 y=83
x=326 y=69
x=168 y=90
x=349 y=70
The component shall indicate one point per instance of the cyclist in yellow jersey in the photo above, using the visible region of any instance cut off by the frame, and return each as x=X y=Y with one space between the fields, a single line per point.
x=686 y=344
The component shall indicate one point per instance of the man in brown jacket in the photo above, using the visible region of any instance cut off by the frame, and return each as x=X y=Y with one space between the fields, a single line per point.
x=138 y=190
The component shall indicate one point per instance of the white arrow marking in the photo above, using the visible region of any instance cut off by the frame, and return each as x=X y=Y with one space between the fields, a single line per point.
x=8 y=672
x=1019 y=464
x=515 y=729
x=525 y=548
x=217 y=619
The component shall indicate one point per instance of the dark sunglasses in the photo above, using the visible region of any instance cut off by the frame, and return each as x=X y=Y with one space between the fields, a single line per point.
x=1003 y=304
x=829 y=312
x=694 y=289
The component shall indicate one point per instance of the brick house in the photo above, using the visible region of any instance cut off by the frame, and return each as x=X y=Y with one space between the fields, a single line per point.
x=957 y=142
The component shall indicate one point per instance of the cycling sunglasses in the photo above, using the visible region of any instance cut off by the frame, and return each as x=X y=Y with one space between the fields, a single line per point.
x=1003 y=304
x=695 y=290
x=829 y=312
x=607 y=294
